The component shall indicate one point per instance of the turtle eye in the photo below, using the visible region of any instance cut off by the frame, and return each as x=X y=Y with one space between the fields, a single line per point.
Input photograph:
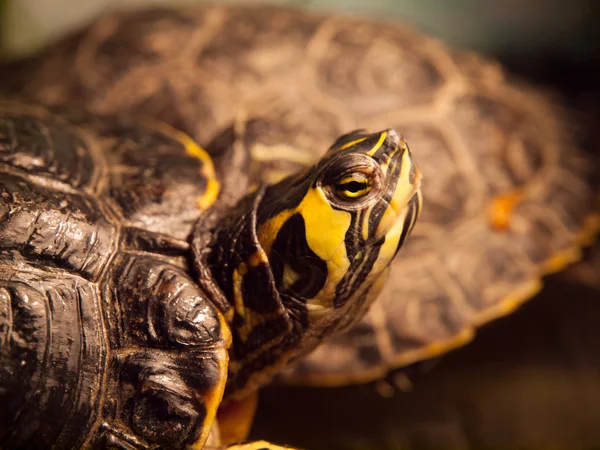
x=353 y=186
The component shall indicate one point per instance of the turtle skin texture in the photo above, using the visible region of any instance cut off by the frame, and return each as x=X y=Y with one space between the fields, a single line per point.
x=96 y=304
x=509 y=192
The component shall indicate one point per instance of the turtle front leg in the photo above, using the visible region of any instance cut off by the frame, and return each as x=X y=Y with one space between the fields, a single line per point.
x=231 y=429
x=235 y=419
x=169 y=367
x=163 y=398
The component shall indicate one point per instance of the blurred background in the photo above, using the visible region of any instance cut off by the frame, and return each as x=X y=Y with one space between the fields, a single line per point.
x=552 y=42
x=531 y=380
x=527 y=27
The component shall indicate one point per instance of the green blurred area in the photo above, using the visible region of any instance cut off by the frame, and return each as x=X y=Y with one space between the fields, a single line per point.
x=489 y=25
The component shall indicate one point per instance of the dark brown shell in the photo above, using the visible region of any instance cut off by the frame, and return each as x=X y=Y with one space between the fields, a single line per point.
x=96 y=299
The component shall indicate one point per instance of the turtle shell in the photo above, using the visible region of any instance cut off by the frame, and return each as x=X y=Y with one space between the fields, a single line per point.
x=92 y=217
x=507 y=189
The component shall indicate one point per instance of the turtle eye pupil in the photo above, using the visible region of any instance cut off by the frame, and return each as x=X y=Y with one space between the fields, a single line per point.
x=353 y=186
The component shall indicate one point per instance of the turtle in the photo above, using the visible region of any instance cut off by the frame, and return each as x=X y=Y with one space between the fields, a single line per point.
x=134 y=298
x=510 y=186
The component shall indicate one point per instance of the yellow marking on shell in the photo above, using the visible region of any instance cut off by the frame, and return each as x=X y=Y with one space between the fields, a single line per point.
x=280 y=152
x=212 y=399
x=253 y=187
x=213 y=186
x=562 y=259
x=266 y=153
x=510 y=302
x=379 y=143
x=235 y=418
x=274 y=176
x=585 y=237
x=441 y=347
x=380 y=371
x=351 y=143
x=210 y=194
x=402 y=195
x=501 y=209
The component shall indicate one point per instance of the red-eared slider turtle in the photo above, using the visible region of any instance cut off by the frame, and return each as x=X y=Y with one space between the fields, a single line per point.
x=508 y=193
x=128 y=310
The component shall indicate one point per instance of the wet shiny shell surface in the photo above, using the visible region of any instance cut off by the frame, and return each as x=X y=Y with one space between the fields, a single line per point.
x=94 y=214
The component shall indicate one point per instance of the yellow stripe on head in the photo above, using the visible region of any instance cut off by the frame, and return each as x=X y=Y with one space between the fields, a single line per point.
x=403 y=193
x=379 y=143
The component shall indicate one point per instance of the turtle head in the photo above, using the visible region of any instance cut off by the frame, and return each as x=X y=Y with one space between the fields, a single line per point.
x=303 y=258
x=331 y=231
